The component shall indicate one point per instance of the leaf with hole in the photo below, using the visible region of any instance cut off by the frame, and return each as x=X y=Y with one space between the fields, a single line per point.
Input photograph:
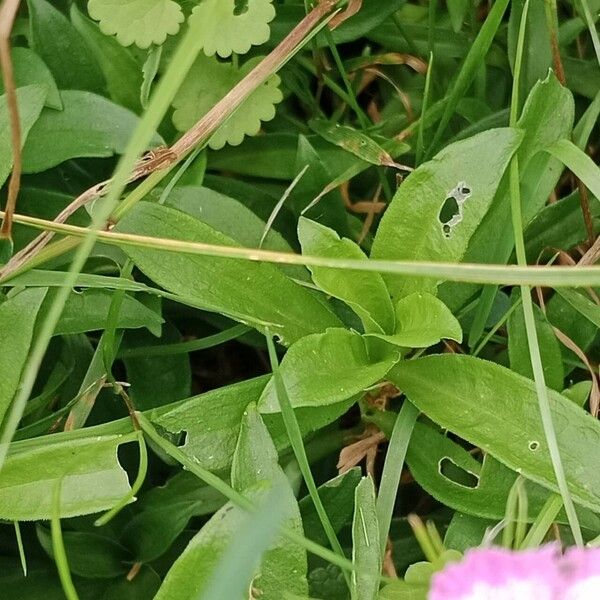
x=207 y=82
x=139 y=22
x=229 y=26
x=92 y=478
x=419 y=226
x=497 y=410
x=454 y=477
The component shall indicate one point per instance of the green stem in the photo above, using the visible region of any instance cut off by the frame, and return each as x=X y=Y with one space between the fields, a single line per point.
x=532 y=338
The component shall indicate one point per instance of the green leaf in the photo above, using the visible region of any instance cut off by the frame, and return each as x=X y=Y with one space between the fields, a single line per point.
x=578 y=162
x=440 y=205
x=582 y=304
x=207 y=82
x=139 y=22
x=422 y=321
x=89 y=554
x=497 y=410
x=121 y=70
x=88 y=310
x=455 y=478
x=366 y=293
x=365 y=547
x=92 y=478
x=163 y=512
x=255 y=461
x=157 y=380
x=225 y=30
x=351 y=140
x=547 y=116
x=518 y=348
x=190 y=574
x=30 y=101
x=326 y=368
x=76 y=131
x=63 y=49
x=30 y=69
x=17 y=320
x=337 y=496
x=257 y=294
x=211 y=421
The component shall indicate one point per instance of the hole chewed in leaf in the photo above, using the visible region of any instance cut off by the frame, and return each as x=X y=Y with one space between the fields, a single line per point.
x=451 y=212
x=457 y=474
x=241 y=7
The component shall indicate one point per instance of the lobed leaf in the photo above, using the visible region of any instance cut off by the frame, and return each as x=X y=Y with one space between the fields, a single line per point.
x=139 y=22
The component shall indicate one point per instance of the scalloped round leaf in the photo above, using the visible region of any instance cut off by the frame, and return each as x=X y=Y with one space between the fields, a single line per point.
x=207 y=82
x=225 y=28
x=139 y=22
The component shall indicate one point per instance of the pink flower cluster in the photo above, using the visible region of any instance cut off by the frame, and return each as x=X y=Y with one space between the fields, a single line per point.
x=539 y=574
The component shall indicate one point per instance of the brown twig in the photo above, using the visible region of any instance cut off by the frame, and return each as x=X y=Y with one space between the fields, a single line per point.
x=8 y=12
x=164 y=158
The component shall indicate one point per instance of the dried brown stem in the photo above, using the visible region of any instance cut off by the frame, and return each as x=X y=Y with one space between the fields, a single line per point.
x=8 y=12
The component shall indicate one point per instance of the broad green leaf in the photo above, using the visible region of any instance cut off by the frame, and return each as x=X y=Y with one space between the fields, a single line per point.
x=365 y=543
x=207 y=82
x=326 y=368
x=456 y=479
x=17 y=320
x=547 y=116
x=236 y=571
x=457 y=10
x=211 y=421
x=30 y=100
x=88 y=310
x=255 y=293
x=88 y=126
x=366 y=293
x=440 y=205
x=62 y=48
x=139 y=22
x=92 y=478
x=189 y=575
x=121 y=70
x=224 y=29
x=157 y=380
x=337 y=496
x=30 y=69
x=284 y=563
x=163 y=512
x=89 y=554
x=582 y=304
x=422 y=321
x=518 y=348
x=497 y=410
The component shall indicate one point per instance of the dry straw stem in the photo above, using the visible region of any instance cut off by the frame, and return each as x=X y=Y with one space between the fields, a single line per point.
x=8 y=12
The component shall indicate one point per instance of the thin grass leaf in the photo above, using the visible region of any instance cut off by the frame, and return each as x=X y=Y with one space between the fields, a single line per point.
x=295 y=437
x=532 y=338
x=392 y=468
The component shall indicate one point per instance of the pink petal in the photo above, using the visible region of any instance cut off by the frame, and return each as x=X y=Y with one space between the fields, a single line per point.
x=499 y=574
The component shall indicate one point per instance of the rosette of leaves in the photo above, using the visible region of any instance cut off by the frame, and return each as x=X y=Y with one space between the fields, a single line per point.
x=207 y=82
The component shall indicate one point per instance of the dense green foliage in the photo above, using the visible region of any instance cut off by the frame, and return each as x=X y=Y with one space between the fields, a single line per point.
x=293 y=343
